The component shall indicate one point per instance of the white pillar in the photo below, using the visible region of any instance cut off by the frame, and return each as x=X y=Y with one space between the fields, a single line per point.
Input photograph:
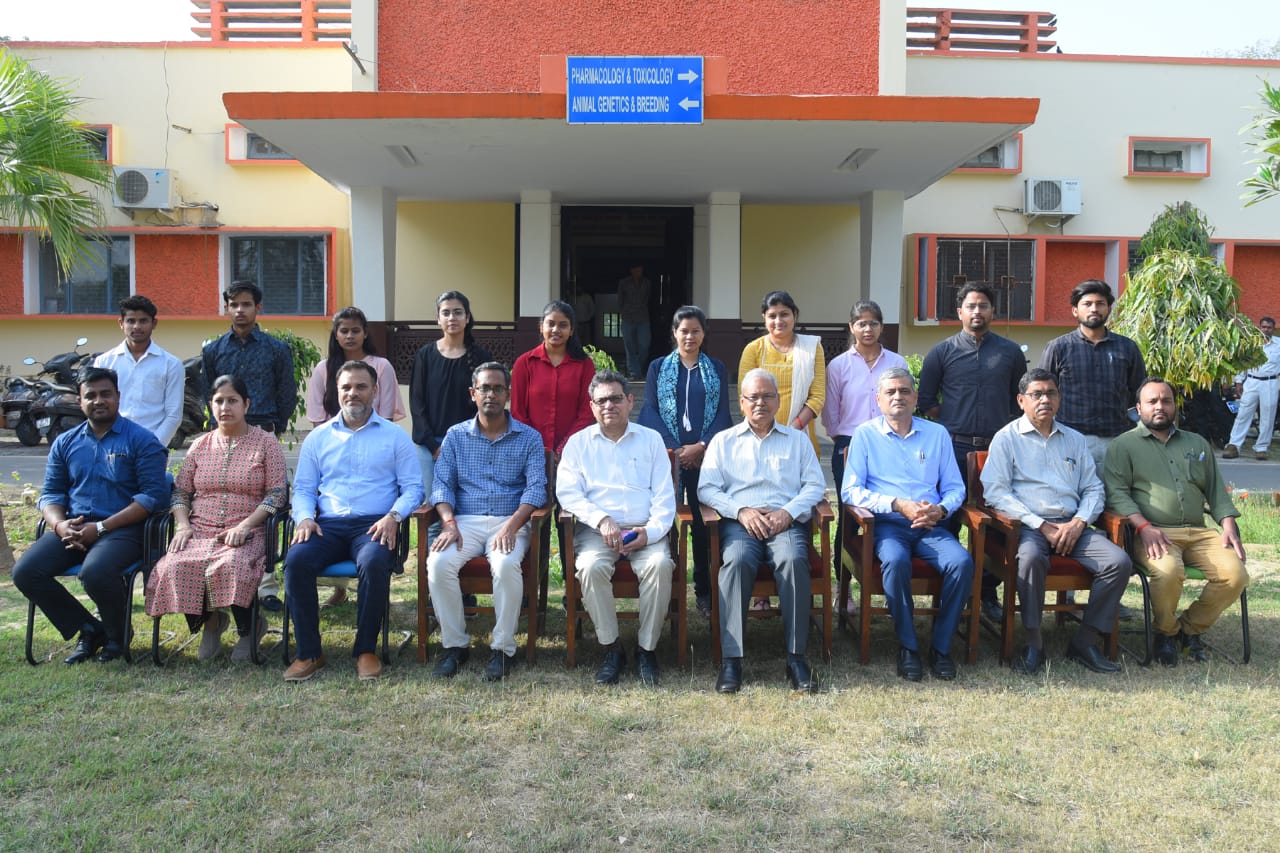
x=537 y=258
x=724 y=255
x=364 y=41
x=880 y=251
x=701 y=291
x=373 y=251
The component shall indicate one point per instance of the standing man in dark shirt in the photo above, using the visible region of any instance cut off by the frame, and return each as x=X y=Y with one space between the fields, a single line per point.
x=102 y=479
x=1098 y=371
x=976 y=372
x=265 y=364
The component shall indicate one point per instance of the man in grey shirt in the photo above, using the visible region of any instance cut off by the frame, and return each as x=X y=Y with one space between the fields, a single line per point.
x=633 y=311
x=1042 y=473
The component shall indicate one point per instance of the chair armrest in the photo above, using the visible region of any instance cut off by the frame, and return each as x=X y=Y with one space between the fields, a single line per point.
x=861 y=519
x=1115 y=526
x=822 y=511
x=425 y=514
x=1000 y=522
x=972 y=517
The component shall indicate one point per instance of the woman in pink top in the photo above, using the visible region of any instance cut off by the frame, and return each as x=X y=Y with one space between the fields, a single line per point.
x=349 y=341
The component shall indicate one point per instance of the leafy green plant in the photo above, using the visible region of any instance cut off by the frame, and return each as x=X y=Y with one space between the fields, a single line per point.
x=1179 y=226
x=1265 y=127
x=601 y=359
x=306 y=355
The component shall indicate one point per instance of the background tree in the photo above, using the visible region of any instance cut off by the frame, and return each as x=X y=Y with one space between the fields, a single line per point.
x=1183 y=309
x=1265 y=129
x=48 y=173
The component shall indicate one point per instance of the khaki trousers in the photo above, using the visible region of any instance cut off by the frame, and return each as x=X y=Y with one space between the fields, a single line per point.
x=652 y=565
x=1200 y=547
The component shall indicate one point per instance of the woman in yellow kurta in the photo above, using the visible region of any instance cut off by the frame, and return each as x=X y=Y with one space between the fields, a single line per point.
x=795 y=360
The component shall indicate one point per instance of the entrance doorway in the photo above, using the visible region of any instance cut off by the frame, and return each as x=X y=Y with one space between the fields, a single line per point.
x=598 y=248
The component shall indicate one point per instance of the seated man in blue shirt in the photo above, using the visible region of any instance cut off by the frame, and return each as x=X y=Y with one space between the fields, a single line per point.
x=101 y=481
x=358 y=476
x=903 y=469
x=490 y=477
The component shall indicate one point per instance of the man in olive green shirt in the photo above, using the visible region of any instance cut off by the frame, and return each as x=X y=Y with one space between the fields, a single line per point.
x=1163 y=479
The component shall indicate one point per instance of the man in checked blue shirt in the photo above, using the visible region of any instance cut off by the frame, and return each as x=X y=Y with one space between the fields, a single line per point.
x=358 y=476
x=489 y=478
x=903 y=469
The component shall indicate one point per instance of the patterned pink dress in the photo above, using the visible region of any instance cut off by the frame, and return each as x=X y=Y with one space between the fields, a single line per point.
x=221 y=482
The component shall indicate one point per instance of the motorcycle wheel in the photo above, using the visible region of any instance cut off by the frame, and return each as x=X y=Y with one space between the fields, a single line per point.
x=27 y=432
x=178 y=441
x=57 y=428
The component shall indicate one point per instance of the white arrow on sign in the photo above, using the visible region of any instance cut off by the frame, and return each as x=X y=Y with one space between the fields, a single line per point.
x=688 y=104
x=687 y=76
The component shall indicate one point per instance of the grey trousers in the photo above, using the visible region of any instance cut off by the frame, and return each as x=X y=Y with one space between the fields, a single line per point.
x=1109 y=565
x=743 y=554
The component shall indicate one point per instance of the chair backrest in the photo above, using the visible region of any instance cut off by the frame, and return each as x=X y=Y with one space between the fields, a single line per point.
x=977 y=460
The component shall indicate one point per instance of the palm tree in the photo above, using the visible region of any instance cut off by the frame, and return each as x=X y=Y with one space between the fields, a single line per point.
x=48 y=173
x=1265 y=182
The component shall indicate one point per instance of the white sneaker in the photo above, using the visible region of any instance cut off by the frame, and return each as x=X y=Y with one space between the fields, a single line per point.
x=211 y=636
x=243 y=648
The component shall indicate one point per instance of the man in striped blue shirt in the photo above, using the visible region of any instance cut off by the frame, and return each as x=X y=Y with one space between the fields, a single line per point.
x=490 y=477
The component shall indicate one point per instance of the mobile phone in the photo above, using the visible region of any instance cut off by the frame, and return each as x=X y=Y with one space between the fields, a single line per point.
x=629 y=537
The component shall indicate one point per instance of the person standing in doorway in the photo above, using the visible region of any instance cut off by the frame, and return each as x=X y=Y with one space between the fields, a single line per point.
x=633 y=310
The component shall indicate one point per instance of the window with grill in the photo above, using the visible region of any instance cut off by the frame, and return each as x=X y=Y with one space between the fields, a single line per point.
x=1164 y=156
x=1007 y=266
x=290 y=271
x=1004 y=157
x=259 y=148
x=96 y=284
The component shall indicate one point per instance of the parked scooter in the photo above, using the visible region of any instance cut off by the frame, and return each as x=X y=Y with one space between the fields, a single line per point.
x=193 y=411
x=23 y=393
x=56 y=411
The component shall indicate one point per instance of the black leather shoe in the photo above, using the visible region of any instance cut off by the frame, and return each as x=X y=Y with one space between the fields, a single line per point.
x=1166 y=649
x=450 y=662
x=499 y=666
x=909 y=666
x=703 y=603
x=272 y=603
x=730 y=678
x=1090 y=658
x=90 y=643
x=647 y=667
x=1196 y=650
x=1029 y=662
x=110 y=651
x=941 y=666
x=470 y=601
x=799 y=675
x=615 y=659
x=992 y=610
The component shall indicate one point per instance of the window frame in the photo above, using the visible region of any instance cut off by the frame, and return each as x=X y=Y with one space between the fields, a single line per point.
x=236 y=145
x=107 y=131
x=326 y=236
x=33 y=293
x=1196 y=155
x=1010 y=159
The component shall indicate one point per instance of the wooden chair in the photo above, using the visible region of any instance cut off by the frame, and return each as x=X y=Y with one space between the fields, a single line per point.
x=347 y=569
x=1065 y=574
x=766 y=585
x=476 y=578
x=627 y=585
x=859 y=544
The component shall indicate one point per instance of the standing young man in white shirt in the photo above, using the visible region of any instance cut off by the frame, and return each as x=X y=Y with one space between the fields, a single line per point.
x=151 y=380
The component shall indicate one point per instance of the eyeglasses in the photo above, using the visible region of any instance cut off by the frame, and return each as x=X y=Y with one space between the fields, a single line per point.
x=611 y=400
x=867 y=324
x=976 y=308
x=1041 y=395
x=486 y=390
x=451 y=314
x=757 y=399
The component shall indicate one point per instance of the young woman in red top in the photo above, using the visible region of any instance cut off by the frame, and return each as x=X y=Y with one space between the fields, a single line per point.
x=549 y=382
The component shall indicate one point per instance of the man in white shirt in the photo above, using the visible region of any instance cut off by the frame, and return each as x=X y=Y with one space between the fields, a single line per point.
x=151 y=380
x=615 y=478
x=1257 y=391
x=764 y=479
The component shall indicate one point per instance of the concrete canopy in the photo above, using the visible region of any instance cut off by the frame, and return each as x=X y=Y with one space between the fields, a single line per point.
x=491 y=147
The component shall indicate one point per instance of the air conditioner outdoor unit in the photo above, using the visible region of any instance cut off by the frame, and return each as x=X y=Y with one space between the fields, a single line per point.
x=1060 y=196
x=139 y=187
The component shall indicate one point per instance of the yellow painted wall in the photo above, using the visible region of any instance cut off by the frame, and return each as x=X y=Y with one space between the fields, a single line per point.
x=454 y=246
x=810 y=251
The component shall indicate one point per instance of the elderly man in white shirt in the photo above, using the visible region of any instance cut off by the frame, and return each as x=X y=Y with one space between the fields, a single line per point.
x=151 y=380
x=615 y=478
x=764 y=479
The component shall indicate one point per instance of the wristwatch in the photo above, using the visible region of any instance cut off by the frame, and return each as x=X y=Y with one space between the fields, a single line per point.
x=101 y=528
x=395 y=516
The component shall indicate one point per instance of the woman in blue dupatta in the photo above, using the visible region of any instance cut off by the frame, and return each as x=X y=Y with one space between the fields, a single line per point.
x=686 y=400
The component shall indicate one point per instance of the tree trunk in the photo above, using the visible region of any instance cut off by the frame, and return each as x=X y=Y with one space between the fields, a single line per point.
x=6 y=551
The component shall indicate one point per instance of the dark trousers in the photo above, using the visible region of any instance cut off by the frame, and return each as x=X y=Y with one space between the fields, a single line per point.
x=1108 y=564
x=343 y=539
x=701 y=542
x=102 y=575
x=840 y=444
x=787 y=553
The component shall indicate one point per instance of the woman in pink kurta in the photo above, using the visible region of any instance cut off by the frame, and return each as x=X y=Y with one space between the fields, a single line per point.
x=230 y=482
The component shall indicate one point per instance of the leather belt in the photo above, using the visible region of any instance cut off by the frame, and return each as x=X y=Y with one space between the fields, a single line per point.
x=975 y=440
x=1262 y=378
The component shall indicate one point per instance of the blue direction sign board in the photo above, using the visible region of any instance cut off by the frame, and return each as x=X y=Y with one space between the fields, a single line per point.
x=634 y=89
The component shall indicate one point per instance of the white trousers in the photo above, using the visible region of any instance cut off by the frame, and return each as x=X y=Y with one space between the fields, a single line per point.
x=652 y=565
x=1257 y=398
x=477 y=533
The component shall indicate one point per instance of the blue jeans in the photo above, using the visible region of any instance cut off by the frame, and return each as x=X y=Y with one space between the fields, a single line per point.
x=787 y=553
x=343 y=539
x=896 y=544
x=635 y=337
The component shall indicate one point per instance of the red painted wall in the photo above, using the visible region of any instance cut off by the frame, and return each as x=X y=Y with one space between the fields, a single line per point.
x=1066 y=265
x=11 y=297
x=179 y=272
x=1257 y=268
x=770 y=46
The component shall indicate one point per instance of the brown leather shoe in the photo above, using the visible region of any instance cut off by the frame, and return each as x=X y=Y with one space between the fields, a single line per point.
x=368 y=667
x=301 y=670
